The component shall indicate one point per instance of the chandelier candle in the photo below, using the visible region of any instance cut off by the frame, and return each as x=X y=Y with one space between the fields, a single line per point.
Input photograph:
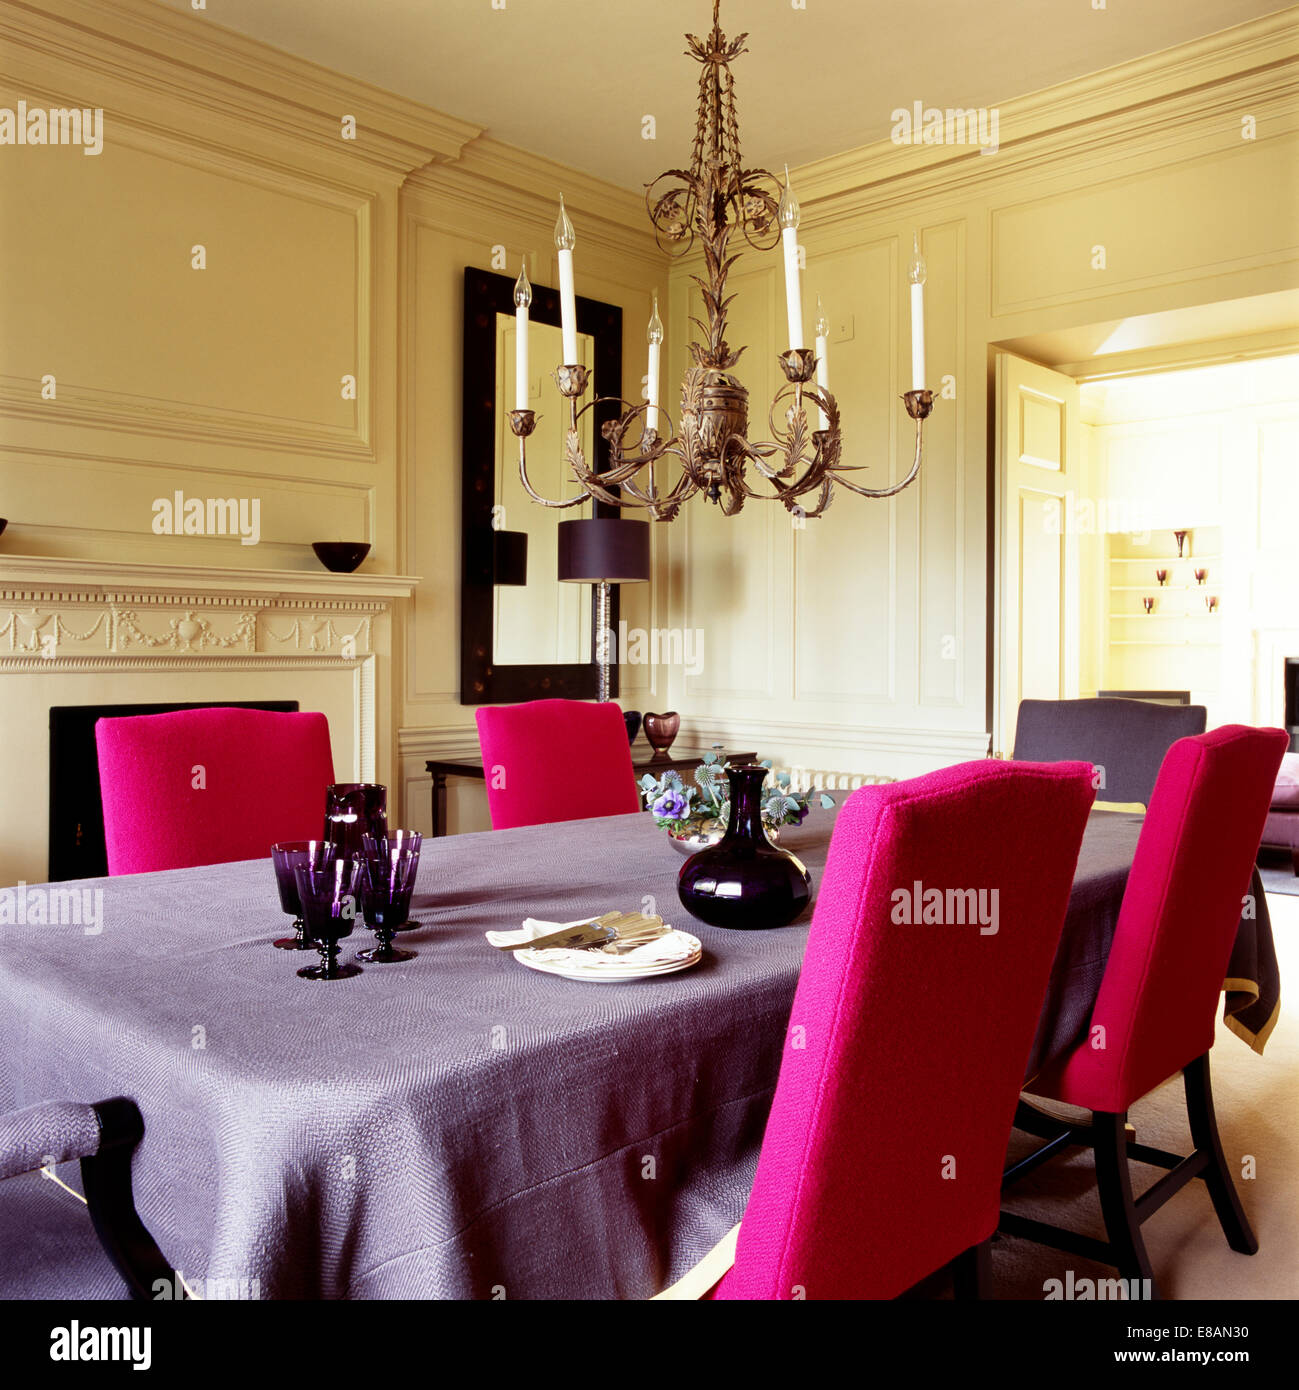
x=565 y=240
x=822 y=358
x=916 y=274
x=789 y=216
x=655 y=335
x=522 y=298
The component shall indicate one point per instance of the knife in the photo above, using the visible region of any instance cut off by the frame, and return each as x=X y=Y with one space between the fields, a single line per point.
x=593 y=934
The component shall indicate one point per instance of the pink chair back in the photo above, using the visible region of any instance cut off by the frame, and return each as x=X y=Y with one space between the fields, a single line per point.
x=908 y=1040
x=1181 y=908
x=555 y=760
x=208 y=786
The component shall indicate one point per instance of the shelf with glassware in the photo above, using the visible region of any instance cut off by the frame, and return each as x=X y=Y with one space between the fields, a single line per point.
x=1173 y=588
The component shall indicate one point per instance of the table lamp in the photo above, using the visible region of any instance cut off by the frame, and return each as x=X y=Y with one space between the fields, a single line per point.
x=604 y=551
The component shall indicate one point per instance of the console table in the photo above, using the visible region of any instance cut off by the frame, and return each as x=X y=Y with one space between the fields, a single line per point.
x=643 y=757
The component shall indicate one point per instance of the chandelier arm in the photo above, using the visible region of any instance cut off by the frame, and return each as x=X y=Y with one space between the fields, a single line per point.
x=897 y=487
x=533 y=493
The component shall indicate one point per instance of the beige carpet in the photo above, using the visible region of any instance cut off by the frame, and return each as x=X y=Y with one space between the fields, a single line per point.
x=1257 y=1100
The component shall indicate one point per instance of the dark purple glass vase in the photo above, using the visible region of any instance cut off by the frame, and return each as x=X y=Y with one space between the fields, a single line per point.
x=354 y=810
x=744 y=881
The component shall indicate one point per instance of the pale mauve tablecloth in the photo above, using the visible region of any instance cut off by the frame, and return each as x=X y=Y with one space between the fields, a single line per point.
x=457 y=1125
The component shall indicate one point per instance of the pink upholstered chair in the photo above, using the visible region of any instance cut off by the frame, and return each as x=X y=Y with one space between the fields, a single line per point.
x=1154 y=1014
x=263 y=779
x=908 y=1039
x=555 y=760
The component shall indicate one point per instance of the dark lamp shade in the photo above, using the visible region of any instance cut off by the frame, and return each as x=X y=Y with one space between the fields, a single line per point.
x=604 y=550
x=509 y=557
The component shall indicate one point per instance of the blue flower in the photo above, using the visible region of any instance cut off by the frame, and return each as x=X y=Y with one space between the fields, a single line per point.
x=670 y=806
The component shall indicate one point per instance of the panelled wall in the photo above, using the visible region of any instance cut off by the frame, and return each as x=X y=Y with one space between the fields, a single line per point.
x=861 y=641
x=312 y=365
x=207 y=306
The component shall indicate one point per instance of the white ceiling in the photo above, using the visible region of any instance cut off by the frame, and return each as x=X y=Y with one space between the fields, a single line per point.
x=572 y=79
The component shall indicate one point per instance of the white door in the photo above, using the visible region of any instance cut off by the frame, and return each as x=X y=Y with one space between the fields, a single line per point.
x=1038 y=461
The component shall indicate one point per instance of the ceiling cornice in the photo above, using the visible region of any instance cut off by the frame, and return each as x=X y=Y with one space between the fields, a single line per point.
x=505 y=181
x=137 y=53
x=1092 y=115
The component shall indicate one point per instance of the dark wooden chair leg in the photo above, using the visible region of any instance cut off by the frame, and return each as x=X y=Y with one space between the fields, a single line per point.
x=1114 y=1185
x=1217 y=1176
x=970 y=1271
x=106 y=1180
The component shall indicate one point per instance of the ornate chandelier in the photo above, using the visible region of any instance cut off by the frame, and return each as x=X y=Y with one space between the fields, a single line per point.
x=707 y=203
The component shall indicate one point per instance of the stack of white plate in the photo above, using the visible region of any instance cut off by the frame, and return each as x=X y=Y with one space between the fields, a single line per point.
x=677 y=950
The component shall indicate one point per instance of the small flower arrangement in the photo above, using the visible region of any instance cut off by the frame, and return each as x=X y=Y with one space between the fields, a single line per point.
x=684 y=810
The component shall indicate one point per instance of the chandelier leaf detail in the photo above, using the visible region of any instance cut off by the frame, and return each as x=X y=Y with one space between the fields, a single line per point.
x=704 y=206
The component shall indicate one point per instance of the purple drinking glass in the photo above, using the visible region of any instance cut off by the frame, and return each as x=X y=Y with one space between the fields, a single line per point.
x=327 y=889
x=354 y=810
x=388 y=879
x=286 y=857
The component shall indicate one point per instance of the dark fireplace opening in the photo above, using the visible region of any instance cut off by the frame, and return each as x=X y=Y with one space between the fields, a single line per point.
x=1292 y=700
x=77 y=847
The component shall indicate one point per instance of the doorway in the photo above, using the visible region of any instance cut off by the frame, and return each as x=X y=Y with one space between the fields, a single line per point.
x=1142 y=535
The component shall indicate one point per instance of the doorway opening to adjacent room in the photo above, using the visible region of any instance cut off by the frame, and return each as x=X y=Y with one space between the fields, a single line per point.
x=1143 y=492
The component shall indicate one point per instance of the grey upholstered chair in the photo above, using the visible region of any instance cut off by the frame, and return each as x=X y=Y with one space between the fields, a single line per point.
x=1125 y=739
x=103 y=1136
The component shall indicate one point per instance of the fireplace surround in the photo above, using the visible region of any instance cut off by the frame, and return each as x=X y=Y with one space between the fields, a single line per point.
x=91 y=632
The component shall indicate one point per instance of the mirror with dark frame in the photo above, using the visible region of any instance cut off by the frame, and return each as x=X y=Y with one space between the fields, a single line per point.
x=524 y=635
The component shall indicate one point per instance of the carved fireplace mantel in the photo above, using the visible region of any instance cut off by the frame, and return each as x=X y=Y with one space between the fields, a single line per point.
x=54 y=609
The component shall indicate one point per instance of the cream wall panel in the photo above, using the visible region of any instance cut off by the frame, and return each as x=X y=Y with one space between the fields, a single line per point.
x=1205 y=215
x=249 y=346
x=1166 y=476
x=100 y=495
x=846 y=561
x=737 y=577
x=941 y=537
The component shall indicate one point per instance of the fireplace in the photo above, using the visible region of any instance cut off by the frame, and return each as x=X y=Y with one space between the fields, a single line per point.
x=76 y=812
x=119 y=638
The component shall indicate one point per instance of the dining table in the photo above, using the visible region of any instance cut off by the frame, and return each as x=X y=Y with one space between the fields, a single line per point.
x=458 y=1126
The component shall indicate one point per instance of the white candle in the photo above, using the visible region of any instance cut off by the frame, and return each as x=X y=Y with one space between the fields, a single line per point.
x=522 y=298
x=916 y=275
x=822 y=358
x=565 y=240
x=655 y=335
x=789 y=218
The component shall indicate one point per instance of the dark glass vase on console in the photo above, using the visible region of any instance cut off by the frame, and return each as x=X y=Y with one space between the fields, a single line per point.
x=744 y=881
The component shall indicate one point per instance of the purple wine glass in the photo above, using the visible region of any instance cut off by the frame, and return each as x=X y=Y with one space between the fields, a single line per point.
x=388 y=880
x=327 y=890
x=286 y=857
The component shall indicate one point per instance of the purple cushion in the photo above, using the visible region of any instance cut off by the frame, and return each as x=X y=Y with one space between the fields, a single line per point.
x=1286 y=795
x=1282 y=829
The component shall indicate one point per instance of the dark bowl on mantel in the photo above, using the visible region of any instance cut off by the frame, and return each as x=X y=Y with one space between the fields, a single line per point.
x=3 y=523
x=342 y=557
